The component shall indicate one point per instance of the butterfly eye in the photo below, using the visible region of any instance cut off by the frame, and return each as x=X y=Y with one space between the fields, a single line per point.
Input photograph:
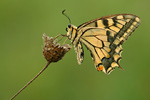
x=67 y=29
x=69 y=26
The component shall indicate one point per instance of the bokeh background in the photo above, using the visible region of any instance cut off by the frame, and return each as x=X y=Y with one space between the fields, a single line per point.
x=22 y=24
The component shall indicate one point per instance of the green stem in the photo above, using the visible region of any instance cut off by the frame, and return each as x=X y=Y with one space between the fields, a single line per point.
x=30 y=81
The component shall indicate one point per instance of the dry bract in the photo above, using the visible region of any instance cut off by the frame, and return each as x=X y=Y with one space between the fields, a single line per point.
x=53 y=51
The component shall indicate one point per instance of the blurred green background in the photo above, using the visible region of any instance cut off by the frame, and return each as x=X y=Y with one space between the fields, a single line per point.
x=22 y=23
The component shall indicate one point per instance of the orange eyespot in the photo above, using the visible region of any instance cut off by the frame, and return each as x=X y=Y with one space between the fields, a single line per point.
x=100 y=68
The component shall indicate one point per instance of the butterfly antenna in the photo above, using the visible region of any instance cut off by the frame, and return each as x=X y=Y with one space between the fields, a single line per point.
x=63 y=12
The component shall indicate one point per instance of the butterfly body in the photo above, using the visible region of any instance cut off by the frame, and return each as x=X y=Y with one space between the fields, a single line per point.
x=103 y=37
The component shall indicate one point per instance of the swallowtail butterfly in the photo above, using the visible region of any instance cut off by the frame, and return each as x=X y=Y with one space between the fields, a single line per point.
x=103 y=37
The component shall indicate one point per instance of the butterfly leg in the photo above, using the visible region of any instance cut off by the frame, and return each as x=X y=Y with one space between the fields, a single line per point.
x=65 y=41
x=60 y=35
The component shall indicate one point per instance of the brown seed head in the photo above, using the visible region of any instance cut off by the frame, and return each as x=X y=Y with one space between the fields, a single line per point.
x=53 y=51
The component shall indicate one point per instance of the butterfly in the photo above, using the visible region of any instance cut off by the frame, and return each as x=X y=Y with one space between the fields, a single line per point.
x=103 y=37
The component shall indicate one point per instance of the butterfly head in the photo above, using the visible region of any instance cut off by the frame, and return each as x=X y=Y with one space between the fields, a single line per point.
x=71 y=30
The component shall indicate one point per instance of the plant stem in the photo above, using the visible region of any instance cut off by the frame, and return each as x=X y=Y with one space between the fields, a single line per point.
x=30 y=81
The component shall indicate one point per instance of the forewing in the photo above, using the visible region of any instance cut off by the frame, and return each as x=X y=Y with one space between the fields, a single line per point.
x=121 y=24
x=79 y=52
x=104 y=22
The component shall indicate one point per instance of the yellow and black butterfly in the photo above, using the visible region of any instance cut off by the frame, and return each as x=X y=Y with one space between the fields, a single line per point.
x=103 y=37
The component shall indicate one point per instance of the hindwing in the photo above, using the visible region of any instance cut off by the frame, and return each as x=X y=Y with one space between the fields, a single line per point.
x=79 y=52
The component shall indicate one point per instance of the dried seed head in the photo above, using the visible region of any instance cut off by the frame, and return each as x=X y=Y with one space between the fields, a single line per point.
x=53 y=51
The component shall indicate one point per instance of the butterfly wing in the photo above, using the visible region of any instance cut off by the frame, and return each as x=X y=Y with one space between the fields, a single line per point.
x=79 y=52
x=104 y=38
x=112 y=20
